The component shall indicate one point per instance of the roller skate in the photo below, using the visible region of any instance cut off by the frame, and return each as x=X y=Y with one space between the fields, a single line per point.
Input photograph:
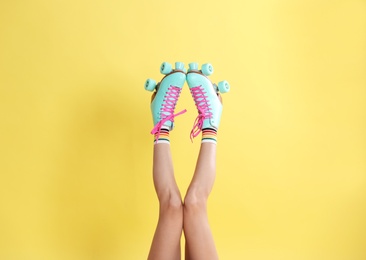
x=166 y=94
x=207 y=98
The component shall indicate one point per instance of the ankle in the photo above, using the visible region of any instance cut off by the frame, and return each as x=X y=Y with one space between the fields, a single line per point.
x=162 y=136
x=209 y=135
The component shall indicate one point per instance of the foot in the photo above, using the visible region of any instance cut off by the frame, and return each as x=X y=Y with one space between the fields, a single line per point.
x=206 y=96
x=166 y=96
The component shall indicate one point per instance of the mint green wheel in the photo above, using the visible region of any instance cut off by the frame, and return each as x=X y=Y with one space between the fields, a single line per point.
x=165 y=68
x=179 y=66
x=224 y=86
x=207 y=69
x=150 y=85
x=193 y=66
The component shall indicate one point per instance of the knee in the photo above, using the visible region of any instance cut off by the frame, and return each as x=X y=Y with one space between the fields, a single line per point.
x=195 y=201
x=171 y=204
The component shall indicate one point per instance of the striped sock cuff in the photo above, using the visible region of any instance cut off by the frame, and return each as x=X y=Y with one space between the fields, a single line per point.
x=163 y=137
x=209 y=135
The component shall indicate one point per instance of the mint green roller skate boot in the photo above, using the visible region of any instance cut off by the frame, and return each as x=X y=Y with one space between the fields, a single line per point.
x=166 y=96
x=206 y=97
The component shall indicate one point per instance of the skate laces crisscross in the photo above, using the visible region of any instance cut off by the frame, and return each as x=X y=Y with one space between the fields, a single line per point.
x=203 y=107
x=167 y=109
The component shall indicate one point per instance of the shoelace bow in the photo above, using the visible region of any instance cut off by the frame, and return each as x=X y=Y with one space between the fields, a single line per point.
x=167 y=109
x=204 y=110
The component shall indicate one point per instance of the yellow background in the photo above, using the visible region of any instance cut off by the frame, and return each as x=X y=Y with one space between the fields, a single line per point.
x=75 y=148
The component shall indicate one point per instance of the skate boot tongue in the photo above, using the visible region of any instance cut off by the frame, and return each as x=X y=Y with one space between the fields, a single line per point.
x=167 y=109
x=204 y=110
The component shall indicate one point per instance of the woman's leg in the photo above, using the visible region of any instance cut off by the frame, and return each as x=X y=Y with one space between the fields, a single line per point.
x=166 y=241
x=199 y=240
x=200 y=244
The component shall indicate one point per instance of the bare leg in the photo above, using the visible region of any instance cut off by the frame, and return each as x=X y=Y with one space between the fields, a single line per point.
x=199 y=240
x=166 y=241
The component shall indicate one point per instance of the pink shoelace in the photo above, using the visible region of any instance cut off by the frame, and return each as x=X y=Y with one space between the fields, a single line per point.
x=203 y=107
x=167 y=109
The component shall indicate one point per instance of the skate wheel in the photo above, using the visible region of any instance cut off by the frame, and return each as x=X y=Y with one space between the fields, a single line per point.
x=224 y=86
x=165 y=68
x=179 y=66
x=193 y=66
x=150 y=85
x=207 y=69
